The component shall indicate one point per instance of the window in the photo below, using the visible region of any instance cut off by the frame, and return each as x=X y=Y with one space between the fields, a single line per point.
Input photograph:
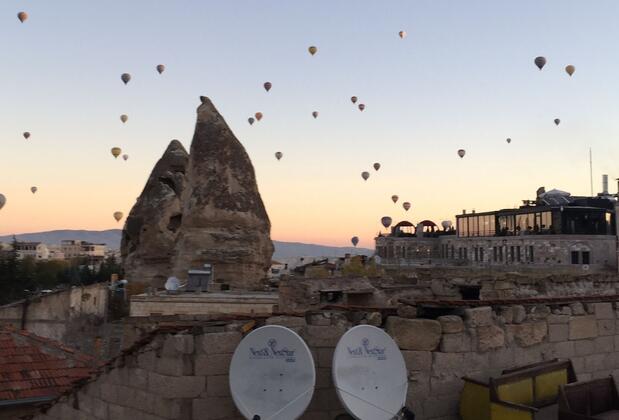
x=501 y=254
x=476 y=254
x=481 y=254
x=586 y=257
x=495 y=253
x=518 y=253
x=466 y=257
x=531 y=256
x=459 y=253
x=574 y=255
x=512 y=256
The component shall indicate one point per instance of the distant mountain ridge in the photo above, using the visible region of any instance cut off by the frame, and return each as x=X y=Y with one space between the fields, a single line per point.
x=112 y=237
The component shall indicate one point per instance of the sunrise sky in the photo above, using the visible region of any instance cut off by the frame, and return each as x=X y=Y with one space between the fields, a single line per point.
x=463 y=78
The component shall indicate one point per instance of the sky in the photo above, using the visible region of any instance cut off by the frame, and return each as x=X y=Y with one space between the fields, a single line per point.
x=463 y=78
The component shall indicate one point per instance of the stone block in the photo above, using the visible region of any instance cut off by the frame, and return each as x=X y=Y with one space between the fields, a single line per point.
x=606 y=327
x=504 y=285
x=558 y=332
x=414 y=334
x=583 y=327
x=218 y=386
x=147 y=360
x=325 y=356
x=109 y=392
x=448 y=363
x=417 y=360
x=520 y=314
x=584 y=347
x=538 y=313
x=214 y=408
x=558 y=319
x=322 y=336
x=456 y=343
x=323 y=378
x=529 y=333
x=178 y=344
x=577 y=308
x=219 y=343
x=579 y=365
x=451 y=324
x=94 y=406
x=176 y=386
x=594 y=362
x=604 y=344
x=490 y=337
x=507 y=312
x=440 y=406
x=138 y=378
x=565 y=350
x=407 y=311
x=502 y=358
x=374 y=318
x=604 y=310
x=320 y=319
x=478 y=317
x=445 y=385
x=287 y=321
x=212 y=364
x=174 y=366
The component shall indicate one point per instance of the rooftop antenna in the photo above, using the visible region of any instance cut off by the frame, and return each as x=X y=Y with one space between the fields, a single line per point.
x=591 y=170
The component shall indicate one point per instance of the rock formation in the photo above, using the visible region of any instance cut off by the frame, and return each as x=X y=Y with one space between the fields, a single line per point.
x=224 y=219
x=207 y=209
x=152 y=227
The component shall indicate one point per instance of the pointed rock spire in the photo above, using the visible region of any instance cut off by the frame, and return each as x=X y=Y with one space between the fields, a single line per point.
x=150 y=232
x=224 y=219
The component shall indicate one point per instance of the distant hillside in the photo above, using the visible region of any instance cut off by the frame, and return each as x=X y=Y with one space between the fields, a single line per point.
x=112 y=239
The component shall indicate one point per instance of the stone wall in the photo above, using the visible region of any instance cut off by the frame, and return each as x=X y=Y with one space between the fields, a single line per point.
x=184 y=375
x=73 y=316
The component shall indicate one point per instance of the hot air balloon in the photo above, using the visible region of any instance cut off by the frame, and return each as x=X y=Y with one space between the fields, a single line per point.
x=353 y=99
x=250 y=120
x=160 y=68
x=557 y=121
x=22 y=16
x=33 y=189
x=540 y=62
x=376 y=166
x=125 y=157
x=386 y=221
x=354 y=240
x=116 y=151
x=446 y=224
x=361 y=107
x=267 y=86
x=124 y=118
x=406 y=205
x=26 y=135
x=402 y=34
x=278 y=155
x=508 y=140
x=461 y=153
x=394 y=198
x=258 y=115
x=125 y=77
x=312 y=50
x=118 y=215
x=570 y=69
x=2 y=201
x=315 y=114
x=365 y=175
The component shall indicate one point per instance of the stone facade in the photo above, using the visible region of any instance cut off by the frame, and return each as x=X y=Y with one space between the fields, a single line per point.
x=184 y=376
x=526 y=252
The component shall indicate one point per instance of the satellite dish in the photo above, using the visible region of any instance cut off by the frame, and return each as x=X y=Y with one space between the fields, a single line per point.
x=172 y=284
x=369 y=374
x=272 y=374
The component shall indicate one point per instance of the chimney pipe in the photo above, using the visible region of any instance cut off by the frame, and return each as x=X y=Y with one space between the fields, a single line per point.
x=605 y=184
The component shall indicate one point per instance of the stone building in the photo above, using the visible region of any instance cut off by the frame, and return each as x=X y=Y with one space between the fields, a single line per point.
x=554 y=231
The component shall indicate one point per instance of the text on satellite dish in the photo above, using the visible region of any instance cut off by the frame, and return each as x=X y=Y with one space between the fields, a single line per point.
x=364 y=350
x=270 y=351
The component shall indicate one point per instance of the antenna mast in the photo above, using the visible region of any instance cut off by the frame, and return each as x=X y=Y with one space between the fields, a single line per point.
x=591 y=171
